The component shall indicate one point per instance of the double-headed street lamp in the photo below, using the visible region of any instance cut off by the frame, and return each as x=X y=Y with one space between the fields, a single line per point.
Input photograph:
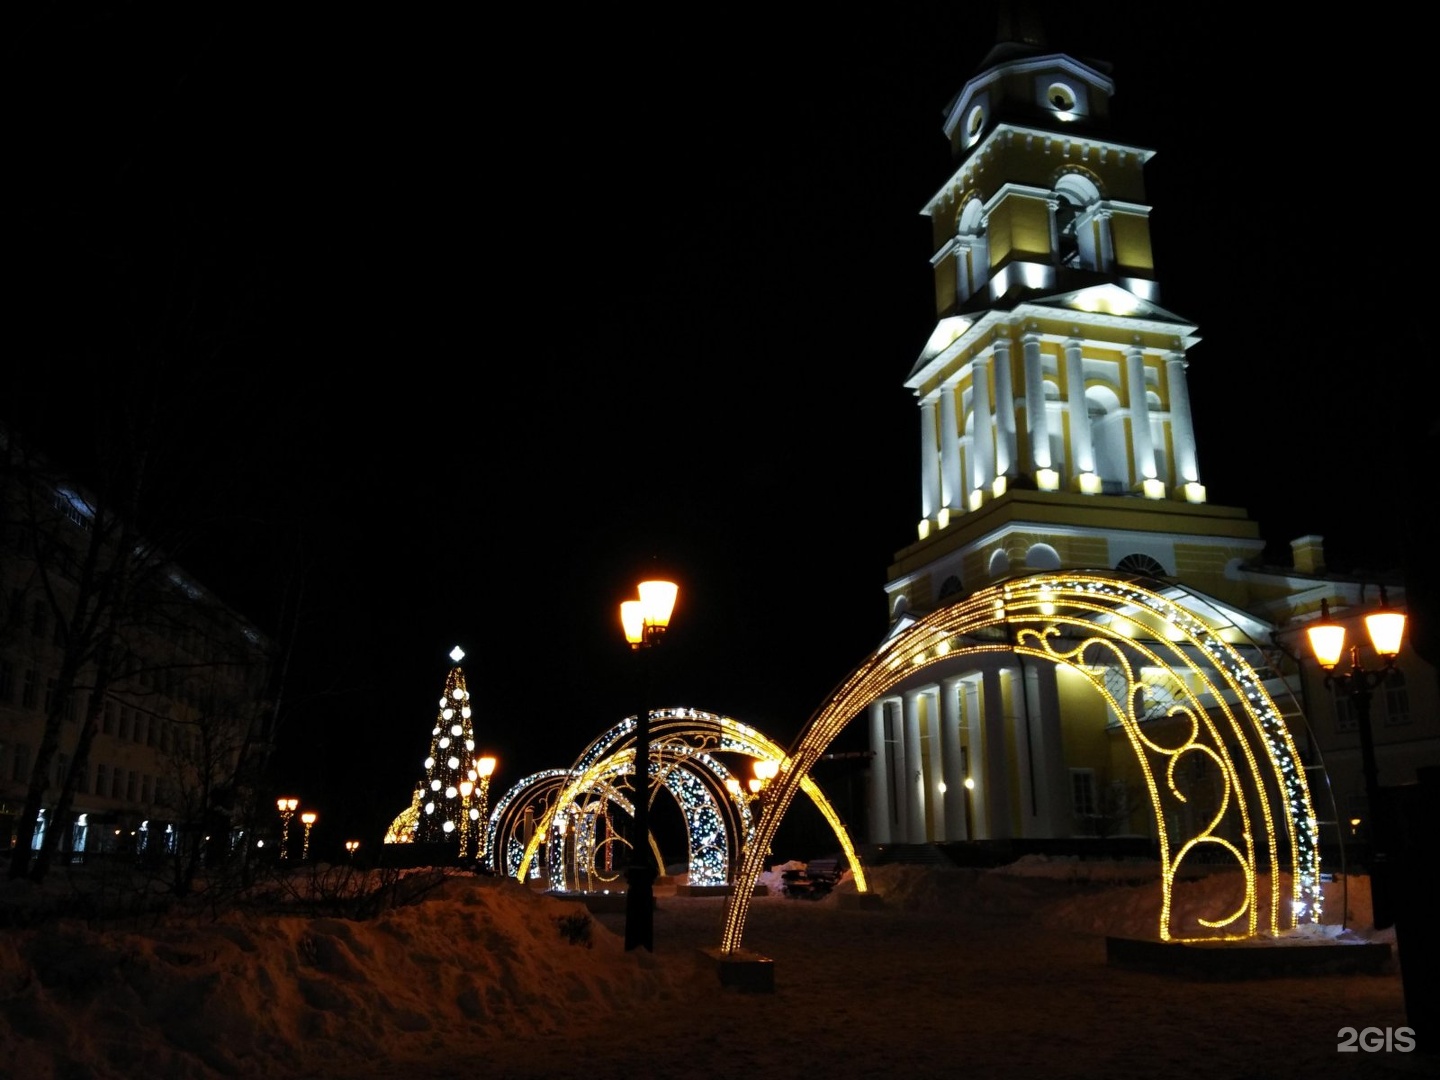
x=645 y=622
x=1327 y=641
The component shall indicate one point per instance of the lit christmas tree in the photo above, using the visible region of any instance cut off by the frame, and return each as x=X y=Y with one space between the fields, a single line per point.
x=447 y=813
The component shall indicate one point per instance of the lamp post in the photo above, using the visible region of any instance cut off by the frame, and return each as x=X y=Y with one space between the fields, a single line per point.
x=480 y=812
x=286 y=805
x=350 y=848
x=309 y=819
x=1327 y=641
x=645 y=622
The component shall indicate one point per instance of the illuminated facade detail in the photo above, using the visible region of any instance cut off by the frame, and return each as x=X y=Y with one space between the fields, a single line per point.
x=690 y=751
x=1107 y=628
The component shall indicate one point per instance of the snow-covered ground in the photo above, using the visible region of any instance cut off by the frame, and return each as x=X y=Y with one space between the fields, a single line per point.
x=956 y=973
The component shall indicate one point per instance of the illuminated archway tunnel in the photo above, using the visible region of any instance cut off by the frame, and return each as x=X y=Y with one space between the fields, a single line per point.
x=687 y=759
x=1106 y=627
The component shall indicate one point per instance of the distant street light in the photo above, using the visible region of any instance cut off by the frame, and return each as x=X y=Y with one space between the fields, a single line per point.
x=351 y=846
x=645 y=622
x=309 y=819
x=286 y=805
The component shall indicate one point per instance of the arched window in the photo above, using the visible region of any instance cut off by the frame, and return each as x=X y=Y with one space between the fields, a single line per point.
x=972 y=251
x=1075 y=222
x=1138 y=563
x=1107 y=435
x=1042 y=557
x=951 y=587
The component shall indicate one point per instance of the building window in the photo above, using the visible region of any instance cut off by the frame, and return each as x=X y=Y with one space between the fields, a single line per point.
x=82 y=782
x=1344 y=713
x=130 y=780
x=107 y=722
x=140 y=722
x=145 y=789
x=102 y=779
x=51 y=685
x=152 y=732
x=7 y=681
x=30 y=691
x=20 y=767
x=39 y=619
x=1397 y=699
x=126 y=719
x=1082 y=794
x=117 y=781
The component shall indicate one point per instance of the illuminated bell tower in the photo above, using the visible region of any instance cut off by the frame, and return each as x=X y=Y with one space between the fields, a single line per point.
x=1054 y=421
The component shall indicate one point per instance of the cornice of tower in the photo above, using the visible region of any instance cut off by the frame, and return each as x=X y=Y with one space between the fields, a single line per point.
x=1075 y=146
x=1077 y=315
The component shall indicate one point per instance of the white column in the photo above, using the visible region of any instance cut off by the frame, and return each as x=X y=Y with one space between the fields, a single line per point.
x=952 y=490
x=879 y=776
x=934 y=772
x=1105 y=257
x=992 y=761
x=1037 y=427
x=1182 y=430
x=964 y=285
x=929 y=462
x=983 y=450
x=899 y=804
x=1082 y=444
x=913 y=793
x=952 y=761
x=1043 y=769
x=1004 y=410
x=975 y=739
x=1144 y=448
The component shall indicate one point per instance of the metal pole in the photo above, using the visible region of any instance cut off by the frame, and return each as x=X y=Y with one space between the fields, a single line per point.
x=640 y=875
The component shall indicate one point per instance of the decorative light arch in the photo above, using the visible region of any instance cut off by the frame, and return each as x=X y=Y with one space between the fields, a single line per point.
x=1105 y=626
x=684 y=740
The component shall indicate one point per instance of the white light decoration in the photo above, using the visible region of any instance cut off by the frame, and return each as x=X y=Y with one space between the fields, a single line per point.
x=436 y=785
x=447 y=714
x=449 y=826
x=452 y=763
x=458 y=694
x=470 y=745
x=465 y=712
x=429 y=763
x=444 y=742
x=429 y=807
x=457 y=654
x=451 y=792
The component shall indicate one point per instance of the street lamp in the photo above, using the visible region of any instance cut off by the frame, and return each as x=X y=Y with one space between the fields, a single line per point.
x=286 y=805
x=1327 y=641
x=480 y=812
x=350 y=847
x=645 y=622
x=309 y=819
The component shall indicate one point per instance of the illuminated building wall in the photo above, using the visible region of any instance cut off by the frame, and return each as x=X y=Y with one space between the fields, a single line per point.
x=1055 y=433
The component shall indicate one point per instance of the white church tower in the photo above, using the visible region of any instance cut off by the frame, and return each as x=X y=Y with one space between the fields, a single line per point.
x=1054 y=432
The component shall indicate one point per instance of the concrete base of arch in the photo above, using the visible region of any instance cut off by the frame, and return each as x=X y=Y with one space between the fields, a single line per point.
x=742 y=970
x=1231 y=960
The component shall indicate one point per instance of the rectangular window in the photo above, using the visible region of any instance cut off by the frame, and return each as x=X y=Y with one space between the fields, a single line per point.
x=126 y=719
x=140 y=721
x=1082 y=793
x=7 y=681
x=1344 y=715
x=117 y=781
x=51 y=685
x=17 y=607
x=102 y=779
x=1397 y=699
x=152 y=731
x=130 y=780
x=107 y=721
x=145 y=789
x=62 y=763
x=21 y=768
x=82 y=782
x=30 y=691
x=39 y=618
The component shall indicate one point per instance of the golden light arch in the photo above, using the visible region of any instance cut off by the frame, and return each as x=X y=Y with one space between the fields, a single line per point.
x=681 y=738
x=1106 y=626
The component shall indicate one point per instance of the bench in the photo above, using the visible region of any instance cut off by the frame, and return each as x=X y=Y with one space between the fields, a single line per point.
x=814 y=880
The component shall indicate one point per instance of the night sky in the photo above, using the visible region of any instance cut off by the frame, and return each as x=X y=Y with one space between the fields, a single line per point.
x=462 y=327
